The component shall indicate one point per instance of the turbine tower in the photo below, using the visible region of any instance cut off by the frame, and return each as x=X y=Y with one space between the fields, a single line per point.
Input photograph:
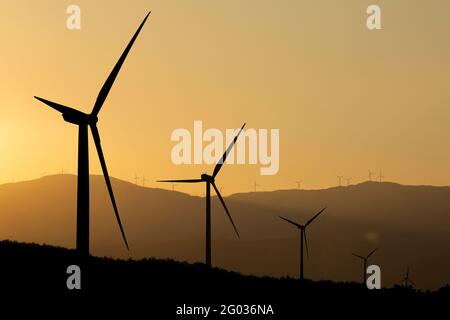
x=299 y=184
x=136 y=179
x=365 y=263
x=340 y=180
x=370 y=175
x=302 y=229
x=210 y=181
x=85 y=121
x=143 y=180
x=255 y=185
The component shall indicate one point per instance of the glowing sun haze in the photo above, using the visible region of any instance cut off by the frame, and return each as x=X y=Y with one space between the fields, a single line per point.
x=345 y=99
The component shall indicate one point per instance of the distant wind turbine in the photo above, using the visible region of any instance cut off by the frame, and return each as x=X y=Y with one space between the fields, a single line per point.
x=370 y=175
x=210 y=181
x=173 y=186
x=380 y=177
x=302 y=229
x=83 y=121
x=340 y=180
x=143 y=180
x=299 y=184
x=136 y=179
x=255 y=185
x=365 y=263
x=406 y=280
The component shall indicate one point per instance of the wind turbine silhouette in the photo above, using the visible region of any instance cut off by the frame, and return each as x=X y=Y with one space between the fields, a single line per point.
x=136 y=179
x=143 y=180
x=83 y=121
x=210 y=180
x=380 y=176
x=299 y=183
x=365 y=263
x=406 y=279
x=340 y=180
x=255 y=185
x=370 y=175
x=302 y=229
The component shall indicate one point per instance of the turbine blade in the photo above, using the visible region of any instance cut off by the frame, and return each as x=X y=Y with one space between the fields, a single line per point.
x=112 y=76
x=290 y=221
x=226 y=209
x=224 y=157
x=181 y=181
x=306 y=243
x=96 y=136
x=371 y=253
x=56 y=106
x=358 y=256
x=317 y=214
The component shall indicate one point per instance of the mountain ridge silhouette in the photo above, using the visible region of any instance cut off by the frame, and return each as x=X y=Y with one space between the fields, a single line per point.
x=410 y=224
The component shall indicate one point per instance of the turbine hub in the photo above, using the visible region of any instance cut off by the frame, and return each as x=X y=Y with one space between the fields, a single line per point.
x=207 y=177
x=93 y=119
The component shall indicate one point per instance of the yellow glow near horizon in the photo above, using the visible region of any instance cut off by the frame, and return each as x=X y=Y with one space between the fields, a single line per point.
x=345 y=99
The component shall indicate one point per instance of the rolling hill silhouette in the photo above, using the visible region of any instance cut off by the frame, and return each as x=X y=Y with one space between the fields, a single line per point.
x=154 y=286
x=410 y=225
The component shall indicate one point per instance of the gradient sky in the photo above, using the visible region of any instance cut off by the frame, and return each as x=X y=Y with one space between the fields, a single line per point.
x=345 y=99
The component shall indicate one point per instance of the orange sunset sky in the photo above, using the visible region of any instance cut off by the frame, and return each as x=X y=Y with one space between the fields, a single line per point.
x=345 y=99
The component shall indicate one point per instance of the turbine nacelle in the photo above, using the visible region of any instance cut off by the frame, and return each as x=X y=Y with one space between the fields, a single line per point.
x=80 y=118
x=207 y=178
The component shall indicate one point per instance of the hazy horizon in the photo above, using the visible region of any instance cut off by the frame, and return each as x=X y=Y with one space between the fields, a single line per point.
x=168 y=187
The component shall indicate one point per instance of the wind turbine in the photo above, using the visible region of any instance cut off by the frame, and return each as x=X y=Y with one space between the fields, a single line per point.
x=370 y=175
x=83 y=121
x=340 y=180
x=255 y=185
x=302 y=229
x=299 y=184
x=143 y=180
x=210 y=180
x=406 y=280
x=173 y=186
x=136 y=179
x=380 y=176
x=365 y=263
